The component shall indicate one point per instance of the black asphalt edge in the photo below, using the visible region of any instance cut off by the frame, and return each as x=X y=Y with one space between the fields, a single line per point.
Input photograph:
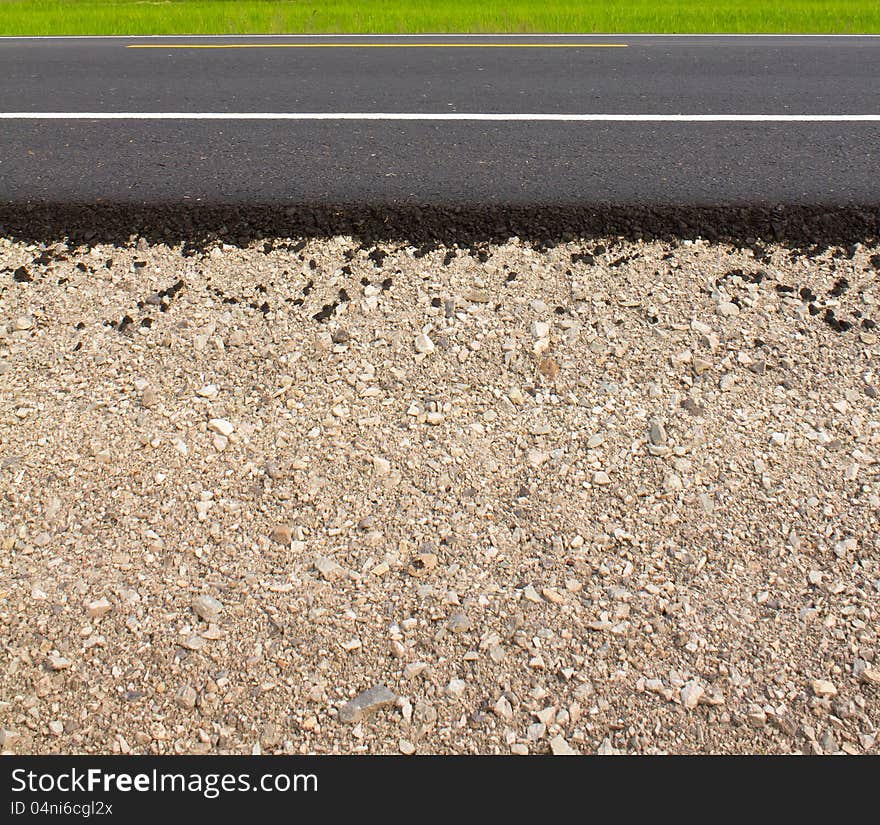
x=202 y=225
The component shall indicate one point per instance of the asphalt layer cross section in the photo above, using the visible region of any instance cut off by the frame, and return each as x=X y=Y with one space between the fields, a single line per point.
x=482 y=119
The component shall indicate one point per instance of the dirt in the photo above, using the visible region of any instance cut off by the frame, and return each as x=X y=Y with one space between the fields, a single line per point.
x=606 y=495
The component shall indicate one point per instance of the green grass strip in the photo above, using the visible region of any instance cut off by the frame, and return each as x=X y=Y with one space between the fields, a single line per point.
x=57 y=17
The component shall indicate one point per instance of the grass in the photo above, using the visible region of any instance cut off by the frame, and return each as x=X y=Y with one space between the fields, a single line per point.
x=45 y=17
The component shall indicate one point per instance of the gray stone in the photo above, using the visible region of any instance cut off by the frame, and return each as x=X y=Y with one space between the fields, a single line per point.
x=657 y=432
x=207 y=608
x=458 y=622
x=366 y=703
x=185 y=697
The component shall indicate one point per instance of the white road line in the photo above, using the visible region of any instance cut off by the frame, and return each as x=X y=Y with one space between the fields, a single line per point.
x=443 y=116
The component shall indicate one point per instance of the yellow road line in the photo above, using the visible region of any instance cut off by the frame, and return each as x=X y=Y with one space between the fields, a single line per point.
x=378 y=46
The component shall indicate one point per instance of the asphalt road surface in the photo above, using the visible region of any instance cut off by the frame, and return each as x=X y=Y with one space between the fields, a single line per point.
x=679 y=120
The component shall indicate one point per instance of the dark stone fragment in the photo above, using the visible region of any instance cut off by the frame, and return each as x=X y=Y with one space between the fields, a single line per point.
x=841 y=285
x=837 y=324
x=326 y=312
x=172 y=290
x=807 y=294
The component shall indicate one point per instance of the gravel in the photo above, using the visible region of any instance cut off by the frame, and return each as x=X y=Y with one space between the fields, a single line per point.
x=316 y=495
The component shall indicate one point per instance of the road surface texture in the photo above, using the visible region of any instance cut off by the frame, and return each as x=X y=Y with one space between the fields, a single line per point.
x=372 y=151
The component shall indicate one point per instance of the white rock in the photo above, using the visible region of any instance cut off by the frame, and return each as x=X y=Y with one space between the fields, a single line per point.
x=823 y=688
x=540 y=329
x=559 y=747
x=691 y=694
x=455 y=689
x=221 y=426
x=424 y=344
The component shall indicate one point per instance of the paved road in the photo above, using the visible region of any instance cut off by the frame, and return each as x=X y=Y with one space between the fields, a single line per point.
x=493 y=158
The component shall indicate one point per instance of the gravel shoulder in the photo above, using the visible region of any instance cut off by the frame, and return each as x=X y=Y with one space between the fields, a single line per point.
x=313 y=495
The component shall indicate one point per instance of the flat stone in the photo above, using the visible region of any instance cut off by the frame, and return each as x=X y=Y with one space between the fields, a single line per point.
x=366 y=703
x=221 y=426
x=98 y=608
x=559 y=747
x=823 y=688
x=207 y=608
x=458 y=622
x=328 y=568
